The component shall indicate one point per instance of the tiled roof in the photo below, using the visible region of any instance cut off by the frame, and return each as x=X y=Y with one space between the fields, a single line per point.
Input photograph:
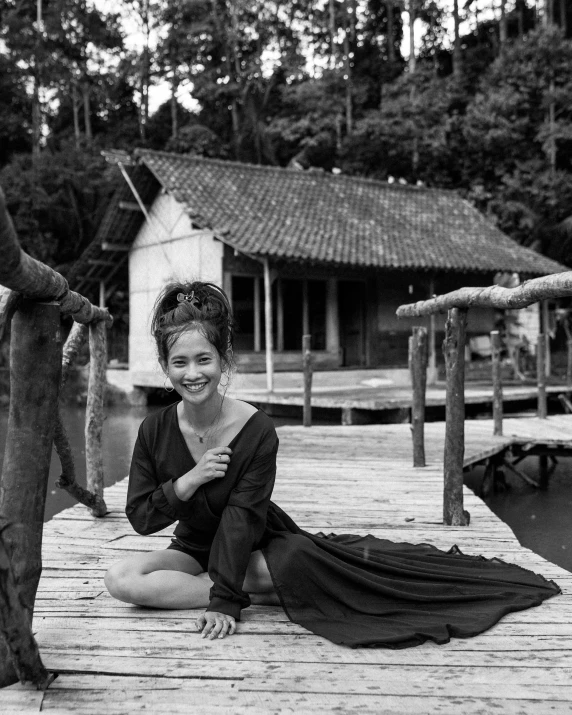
x=324 y=218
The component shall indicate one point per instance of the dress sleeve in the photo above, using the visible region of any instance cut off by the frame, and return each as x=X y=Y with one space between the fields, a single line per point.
x=241 y=528
x=151 y=505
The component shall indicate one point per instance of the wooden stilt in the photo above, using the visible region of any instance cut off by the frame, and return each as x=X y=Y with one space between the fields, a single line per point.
x=257 y=331
x=418 y=370
x=542 y=410
x=454 y=350
x=497 y=382
x=307 y=362
x=35 y=368
x=94 y=409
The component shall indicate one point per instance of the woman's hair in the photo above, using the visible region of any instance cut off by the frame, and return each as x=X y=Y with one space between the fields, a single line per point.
x=196 y=305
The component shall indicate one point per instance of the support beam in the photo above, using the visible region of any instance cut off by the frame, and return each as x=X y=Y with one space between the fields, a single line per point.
x=280 y=315
x=305 y=308
x=545 y=312
x=454 y=350
x=102 y=294
x=35 y=368
x=257 y=330
x=432 y=338
x=268 y=326
x=131 y=206
x=418 y=369
x=497 y=382
x=332 y=317
x=541 y=376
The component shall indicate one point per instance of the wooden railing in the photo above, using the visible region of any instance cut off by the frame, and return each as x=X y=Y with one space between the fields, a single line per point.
x=33 y=299
x=457 y=304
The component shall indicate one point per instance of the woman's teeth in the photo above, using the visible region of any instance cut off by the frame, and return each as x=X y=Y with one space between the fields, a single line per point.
x=195 y=388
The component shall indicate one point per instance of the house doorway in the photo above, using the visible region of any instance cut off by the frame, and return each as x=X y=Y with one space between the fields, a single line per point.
x=351 y=310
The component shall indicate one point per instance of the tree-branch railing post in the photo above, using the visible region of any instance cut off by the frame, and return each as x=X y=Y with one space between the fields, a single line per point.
x=308 y=369
x=35 y=369
x=418 y=357
x=454 y=350
x=497 y=382
x=94 y=408
x=541 y=375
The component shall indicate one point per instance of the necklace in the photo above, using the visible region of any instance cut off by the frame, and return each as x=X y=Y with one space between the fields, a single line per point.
x=209 y=428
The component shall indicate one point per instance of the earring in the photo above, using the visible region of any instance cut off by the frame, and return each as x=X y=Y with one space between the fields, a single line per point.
x=225 y=385
x=166 y=388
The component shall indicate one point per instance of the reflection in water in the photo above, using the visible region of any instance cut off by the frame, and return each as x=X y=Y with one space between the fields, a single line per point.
x=119 y=434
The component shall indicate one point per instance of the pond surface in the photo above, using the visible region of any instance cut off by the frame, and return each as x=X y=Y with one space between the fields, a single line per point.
x=541 y=520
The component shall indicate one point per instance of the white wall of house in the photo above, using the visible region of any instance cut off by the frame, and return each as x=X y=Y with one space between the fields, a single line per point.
x=167 y=249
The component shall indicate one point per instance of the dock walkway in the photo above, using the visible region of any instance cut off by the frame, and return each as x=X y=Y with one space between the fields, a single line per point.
x=117 y=659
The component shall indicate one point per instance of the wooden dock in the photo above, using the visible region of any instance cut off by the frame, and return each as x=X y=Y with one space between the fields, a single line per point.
x=117 y=659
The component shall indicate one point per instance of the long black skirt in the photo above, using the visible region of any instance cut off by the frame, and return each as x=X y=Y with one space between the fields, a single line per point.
x=369 y=592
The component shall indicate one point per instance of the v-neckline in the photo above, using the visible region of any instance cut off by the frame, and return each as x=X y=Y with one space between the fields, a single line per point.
x=230 y=444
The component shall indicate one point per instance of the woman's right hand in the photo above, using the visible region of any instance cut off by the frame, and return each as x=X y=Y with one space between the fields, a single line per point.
x=212 y=465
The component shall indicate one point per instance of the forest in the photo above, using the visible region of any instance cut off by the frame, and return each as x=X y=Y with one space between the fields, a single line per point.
x=482 y=105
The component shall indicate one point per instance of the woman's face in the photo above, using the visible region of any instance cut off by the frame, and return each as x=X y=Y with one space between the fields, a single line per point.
x=194 y=367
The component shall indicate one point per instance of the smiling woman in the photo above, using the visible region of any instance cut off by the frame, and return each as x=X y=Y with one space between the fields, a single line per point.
x=209 y=462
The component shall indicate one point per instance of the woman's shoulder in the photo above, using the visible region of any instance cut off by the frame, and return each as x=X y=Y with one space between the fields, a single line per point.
x=253 y=420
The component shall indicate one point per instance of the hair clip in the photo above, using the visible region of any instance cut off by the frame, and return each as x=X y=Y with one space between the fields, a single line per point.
x=188 y=297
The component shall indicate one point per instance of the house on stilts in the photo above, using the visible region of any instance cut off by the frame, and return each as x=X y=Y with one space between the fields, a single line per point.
x=298 y=252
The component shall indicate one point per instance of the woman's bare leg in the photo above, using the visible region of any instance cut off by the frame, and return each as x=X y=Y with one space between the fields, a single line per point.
x=172 y=579
x=159 y=579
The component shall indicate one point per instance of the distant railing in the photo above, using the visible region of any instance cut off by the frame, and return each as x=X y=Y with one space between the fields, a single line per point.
x=457 y=304
x=33 y=297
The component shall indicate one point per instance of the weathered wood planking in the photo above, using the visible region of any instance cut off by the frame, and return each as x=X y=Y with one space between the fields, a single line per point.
x=119 y=659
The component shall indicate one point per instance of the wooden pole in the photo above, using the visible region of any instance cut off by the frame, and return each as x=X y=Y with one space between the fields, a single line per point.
x=15 y=627
x=432 y=339
x=418 y=368
x=280 y=315
x=541 y=375
x=257 y=335
x=307 y=362
x=94 y=409
x=305 y=308
x=497 y=382
x=454 y=350
x=546 y=330
x=569 y=364
x=268 y=326
x=35 y=367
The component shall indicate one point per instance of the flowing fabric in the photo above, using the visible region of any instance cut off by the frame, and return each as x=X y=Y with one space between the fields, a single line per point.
x=365 y=591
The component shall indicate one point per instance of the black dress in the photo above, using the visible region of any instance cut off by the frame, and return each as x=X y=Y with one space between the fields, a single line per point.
x=353 y=590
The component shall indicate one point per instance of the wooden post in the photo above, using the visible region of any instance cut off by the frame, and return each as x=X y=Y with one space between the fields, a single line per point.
x=497 y=382
x=268 y=326
x=454 y=351
x=257 y=332
x=418 y=370
x=15 y=627
x=541 y=375
x=332 y=318
x=307 y=362
x=432 y=347
x=94 y=409
x=569 y=364
x=279 y=315
x=546 y=331
x=35 y=366
x=305 y=308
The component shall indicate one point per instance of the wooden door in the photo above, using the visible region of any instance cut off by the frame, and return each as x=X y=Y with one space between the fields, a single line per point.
x=351 y=310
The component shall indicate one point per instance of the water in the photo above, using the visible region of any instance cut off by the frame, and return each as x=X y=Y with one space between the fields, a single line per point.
x=540 y=519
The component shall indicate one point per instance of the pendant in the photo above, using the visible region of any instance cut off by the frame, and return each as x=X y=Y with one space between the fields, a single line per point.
x=201 y=440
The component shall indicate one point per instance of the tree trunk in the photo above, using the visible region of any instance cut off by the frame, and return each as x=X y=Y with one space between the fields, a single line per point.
x=390 y=31
x=457 y=56
x=174 y=113
x=552 y=135
x=35 y=366
x=348 y=62
x=503 y=24
x=75 y=110
x=411 y=8
x=36 y=117
x=87 y=111
x=332 y=8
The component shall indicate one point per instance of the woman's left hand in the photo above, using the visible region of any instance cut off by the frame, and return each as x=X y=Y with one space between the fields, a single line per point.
x=215 y=625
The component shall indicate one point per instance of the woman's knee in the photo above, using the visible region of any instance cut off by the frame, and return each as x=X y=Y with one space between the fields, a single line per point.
x=119 y=581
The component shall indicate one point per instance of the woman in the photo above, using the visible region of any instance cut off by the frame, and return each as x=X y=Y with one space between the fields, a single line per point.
x=209 y=462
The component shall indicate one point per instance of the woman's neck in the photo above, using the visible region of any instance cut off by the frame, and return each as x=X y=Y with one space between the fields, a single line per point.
x=202 y=416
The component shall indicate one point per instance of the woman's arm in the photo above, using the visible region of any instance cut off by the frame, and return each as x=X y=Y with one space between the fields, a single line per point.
x=241 y=529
